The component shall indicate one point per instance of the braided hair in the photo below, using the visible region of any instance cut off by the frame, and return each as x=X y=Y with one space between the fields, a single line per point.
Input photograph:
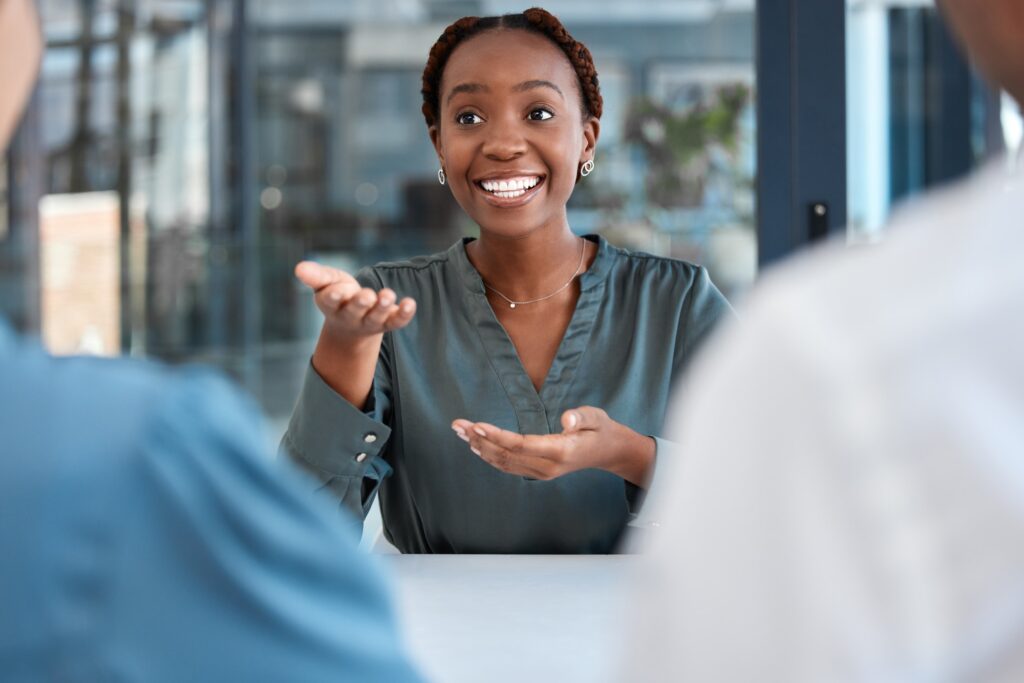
x=535 y=20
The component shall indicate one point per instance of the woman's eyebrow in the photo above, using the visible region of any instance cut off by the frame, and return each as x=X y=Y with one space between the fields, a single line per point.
x=530 y=85
x=519 y=87
x=467 y=88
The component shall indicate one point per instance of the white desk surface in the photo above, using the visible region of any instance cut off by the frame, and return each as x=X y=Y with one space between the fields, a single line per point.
x=513 y=618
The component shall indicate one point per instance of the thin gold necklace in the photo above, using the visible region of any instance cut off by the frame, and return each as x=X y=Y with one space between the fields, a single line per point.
x=513 y=304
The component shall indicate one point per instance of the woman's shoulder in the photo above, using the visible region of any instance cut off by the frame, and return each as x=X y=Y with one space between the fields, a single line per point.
x=639 y=263
x=421 y=262
x=425 y=266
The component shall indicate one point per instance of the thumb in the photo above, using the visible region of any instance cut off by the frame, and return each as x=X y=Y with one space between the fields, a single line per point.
x=316 y=276
x=582 y=418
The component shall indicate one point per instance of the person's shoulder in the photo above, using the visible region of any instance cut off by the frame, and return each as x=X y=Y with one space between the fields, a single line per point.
x=933 y=250
x=409 y=270
x=78 y=388
x=420 y=262
x=635 y=263
x=639 y=258
x=195 y=435
x=110 y=402
x=112 y=422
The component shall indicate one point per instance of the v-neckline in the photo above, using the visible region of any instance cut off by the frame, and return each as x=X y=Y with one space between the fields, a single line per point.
x=532 y=406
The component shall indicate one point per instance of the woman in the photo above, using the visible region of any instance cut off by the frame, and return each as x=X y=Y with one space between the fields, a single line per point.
x=509 y=402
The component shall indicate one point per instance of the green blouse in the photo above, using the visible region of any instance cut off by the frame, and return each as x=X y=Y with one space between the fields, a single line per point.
x=637 y=323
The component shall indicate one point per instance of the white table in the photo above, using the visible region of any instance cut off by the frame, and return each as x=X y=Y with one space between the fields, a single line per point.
x=515 y=618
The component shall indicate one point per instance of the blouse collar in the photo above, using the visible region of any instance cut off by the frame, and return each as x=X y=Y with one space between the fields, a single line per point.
x=590 y=278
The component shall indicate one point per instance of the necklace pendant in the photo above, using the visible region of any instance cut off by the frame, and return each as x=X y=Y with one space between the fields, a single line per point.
x=511 y=305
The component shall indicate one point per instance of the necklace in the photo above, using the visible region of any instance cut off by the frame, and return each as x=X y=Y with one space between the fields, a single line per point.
x=513 y=304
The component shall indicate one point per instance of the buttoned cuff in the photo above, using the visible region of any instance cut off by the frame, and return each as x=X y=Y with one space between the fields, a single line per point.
x=332 y=435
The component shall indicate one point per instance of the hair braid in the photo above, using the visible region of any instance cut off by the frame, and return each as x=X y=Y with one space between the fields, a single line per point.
x=536 y=20
x=439 y=53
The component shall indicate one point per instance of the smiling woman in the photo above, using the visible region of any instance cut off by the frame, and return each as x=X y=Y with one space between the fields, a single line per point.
x=552 y=355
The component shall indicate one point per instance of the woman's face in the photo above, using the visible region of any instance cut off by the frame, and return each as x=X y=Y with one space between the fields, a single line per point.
x=510 y=133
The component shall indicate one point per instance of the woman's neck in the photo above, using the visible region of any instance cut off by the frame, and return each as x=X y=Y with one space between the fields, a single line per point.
x=530 y=266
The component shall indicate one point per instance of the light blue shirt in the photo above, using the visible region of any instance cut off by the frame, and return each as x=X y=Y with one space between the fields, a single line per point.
x=146 y=536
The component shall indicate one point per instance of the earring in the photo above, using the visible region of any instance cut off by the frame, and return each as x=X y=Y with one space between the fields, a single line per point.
x=441 y=178
x=587 y=168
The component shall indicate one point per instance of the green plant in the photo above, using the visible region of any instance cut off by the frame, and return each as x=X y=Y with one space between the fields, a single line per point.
x=678 y=143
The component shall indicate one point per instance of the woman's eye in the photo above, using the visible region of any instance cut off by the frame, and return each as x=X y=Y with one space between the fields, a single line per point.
x=468 y=118
x=540 y=114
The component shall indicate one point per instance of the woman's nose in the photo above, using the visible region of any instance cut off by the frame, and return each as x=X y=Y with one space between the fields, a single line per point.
x=505 y=140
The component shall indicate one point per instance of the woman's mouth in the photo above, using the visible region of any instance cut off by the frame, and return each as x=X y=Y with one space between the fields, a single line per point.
x=510 y=191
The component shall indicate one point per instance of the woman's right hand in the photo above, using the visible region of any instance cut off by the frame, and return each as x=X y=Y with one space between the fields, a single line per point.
x=353 y=312
x=355 y=320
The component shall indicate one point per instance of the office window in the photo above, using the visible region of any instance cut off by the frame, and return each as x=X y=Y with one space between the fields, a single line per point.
x=917 y=115
x=182 y=155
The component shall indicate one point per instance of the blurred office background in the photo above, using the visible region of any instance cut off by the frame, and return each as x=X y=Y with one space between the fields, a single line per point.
x=180 y=156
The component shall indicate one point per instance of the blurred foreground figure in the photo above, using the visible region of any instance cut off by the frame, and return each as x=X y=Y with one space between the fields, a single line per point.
x=853 y=505
x=144 y=533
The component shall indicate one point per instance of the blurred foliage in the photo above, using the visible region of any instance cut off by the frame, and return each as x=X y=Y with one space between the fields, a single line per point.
x=679 y=143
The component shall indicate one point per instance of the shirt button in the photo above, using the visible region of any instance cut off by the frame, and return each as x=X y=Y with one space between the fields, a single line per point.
x=361 y=457
x=370 y=438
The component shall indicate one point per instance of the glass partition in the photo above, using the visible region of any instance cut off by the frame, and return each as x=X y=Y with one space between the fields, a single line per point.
x=917 y=116
x=180 y=156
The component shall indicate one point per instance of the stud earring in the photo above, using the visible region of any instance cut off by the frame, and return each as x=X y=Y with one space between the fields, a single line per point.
x=587 y=168
x=441 y=178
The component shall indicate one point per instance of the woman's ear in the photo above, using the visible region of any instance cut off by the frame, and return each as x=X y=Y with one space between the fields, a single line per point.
x=591 y=131
x=435 y=139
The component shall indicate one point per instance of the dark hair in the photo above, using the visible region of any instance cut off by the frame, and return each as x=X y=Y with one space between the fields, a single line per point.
x=535 y=20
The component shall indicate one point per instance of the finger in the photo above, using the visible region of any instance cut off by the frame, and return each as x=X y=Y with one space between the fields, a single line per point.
x=484 y=438
x=466 y=430
x=357 y=307
x=383 y=309
x=511 y=462
x=402 y=315
x=533 y=455
x=316 y=276
x=541 y=456
x=471 y=433
x=335 y=295
x=501 y=438
x=477 y=434
x=461 y=429
x=584 y=417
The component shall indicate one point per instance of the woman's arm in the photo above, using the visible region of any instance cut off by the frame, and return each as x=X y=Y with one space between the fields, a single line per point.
x=355 y=320
x=346 y=365
x=339 y=427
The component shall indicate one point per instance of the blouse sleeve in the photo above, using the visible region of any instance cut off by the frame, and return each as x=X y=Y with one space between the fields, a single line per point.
x=704 y=309
x=343 y=446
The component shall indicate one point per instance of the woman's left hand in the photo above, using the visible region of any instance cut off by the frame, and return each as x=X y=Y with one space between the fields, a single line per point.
x=589 y=439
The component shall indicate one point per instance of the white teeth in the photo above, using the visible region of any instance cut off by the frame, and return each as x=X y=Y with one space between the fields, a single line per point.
x=517 y=186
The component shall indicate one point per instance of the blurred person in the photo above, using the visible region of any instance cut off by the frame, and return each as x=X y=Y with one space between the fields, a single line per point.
x=851 y=507
x=552 y=355
x=145 y=533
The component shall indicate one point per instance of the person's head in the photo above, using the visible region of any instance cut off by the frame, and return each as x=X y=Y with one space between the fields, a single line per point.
x=21 y=46
x=992 y=31
x=512 y=97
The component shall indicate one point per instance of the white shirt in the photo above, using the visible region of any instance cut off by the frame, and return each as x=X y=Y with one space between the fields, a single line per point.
x=851 y=505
